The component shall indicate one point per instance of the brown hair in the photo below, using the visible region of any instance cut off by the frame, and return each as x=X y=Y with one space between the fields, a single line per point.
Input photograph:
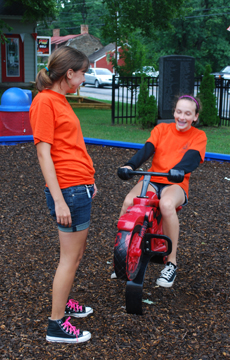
x=191 y=98
x=60 y=61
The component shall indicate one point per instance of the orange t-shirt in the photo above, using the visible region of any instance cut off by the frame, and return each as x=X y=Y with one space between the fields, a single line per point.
x=170 y=147
x=53 y=121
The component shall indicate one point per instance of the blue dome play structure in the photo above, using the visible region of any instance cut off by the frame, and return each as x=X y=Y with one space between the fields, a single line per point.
x=16 y=99
x=14 y=112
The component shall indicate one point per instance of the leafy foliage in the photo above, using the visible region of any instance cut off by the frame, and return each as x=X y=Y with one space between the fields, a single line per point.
x=125 y=16
x=200 y=33
x=32 y=10
x=133 y=55
x=166 y=27
x=73 y=13
x=147 y=110
x=208 y=115
x=3 y=24
x=36 y=9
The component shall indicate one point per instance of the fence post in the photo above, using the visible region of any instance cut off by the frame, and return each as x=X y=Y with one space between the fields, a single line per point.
x=221 y=100
x=113 y=99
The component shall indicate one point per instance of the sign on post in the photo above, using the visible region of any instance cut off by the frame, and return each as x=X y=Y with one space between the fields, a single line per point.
x=43 y=46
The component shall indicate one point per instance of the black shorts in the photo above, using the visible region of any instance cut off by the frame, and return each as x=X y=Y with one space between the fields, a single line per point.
x=159 y=187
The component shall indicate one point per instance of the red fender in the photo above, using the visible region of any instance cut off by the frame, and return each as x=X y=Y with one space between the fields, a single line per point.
x=134 y=215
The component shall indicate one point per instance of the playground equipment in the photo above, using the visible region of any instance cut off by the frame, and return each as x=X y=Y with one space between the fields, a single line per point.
x=140 y=239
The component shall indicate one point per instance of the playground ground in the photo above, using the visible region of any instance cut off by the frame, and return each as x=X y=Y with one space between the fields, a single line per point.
x=190 y=321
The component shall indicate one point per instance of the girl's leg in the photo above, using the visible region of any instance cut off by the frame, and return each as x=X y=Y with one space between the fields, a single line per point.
x=136 y=190
x=72 y=247
x=171 y=197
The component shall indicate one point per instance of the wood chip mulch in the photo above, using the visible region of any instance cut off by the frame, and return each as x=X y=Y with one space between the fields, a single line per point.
x=191 y=320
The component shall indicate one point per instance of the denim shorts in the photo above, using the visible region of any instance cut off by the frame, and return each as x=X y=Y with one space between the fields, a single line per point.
x=159 y=187
x=79 y=200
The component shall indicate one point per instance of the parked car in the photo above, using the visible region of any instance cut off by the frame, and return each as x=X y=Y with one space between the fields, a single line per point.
x=223 y=73
x=99 y=77
x=148 y=71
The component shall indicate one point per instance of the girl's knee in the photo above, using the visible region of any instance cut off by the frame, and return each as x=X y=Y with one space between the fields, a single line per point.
x=78 y=258
x=71 y=262
x=167 y=206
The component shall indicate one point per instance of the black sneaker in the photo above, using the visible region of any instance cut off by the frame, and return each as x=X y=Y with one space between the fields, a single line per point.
x=75 y=310
x=62 y=331
x=168 y=275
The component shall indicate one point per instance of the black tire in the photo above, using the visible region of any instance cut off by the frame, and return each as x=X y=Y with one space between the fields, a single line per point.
x=97 y=85
x=120 y=253
x=133 y=263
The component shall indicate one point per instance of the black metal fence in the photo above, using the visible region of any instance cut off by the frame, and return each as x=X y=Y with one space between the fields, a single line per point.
x=125 y=97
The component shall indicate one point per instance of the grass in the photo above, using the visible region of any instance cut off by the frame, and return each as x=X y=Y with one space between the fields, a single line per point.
x=97 y=124
x=218 y=139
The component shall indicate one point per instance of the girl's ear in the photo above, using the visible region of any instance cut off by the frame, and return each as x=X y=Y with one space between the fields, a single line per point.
x=196 y=117
x=69 y=73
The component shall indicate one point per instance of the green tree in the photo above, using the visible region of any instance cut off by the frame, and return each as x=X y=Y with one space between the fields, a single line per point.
x=134 y=56
x=208 y=115
x=147 y=110
x=200 y=33
x=31 y=10
x=125 y=16
x=73 y=13
x=3 y=24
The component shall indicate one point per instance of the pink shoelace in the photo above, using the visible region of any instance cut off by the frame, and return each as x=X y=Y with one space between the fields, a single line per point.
x=72 y=304
x=70 y=328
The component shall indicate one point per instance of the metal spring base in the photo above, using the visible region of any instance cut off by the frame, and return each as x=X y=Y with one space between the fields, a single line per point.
x=133 y=293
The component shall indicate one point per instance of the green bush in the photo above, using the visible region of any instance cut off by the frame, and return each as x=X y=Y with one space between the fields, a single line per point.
x=146 y=107
x=208 y=115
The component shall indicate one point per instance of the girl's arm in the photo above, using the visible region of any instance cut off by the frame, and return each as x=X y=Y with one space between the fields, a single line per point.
x=189 y=162
x=47 y=166
x=141 y=156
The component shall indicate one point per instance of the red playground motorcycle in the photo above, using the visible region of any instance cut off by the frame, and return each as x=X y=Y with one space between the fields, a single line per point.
x=140 y=239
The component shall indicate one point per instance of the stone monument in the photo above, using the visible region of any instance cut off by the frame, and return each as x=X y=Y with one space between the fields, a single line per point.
x=176 y=77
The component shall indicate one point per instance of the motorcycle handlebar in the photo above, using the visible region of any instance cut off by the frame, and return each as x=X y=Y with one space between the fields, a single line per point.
x=140 y=172
x=175 y=176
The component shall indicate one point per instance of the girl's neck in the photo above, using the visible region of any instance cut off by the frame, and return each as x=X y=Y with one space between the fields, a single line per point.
x=60 y=87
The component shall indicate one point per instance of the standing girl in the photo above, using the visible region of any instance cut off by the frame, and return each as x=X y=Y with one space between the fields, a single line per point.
x=69 y=175
x=178 y=149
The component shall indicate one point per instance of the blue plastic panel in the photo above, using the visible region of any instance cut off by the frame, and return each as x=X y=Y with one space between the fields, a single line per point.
x=13 y=140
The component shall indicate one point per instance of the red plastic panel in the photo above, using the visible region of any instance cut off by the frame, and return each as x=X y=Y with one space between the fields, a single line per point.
x=15 y=123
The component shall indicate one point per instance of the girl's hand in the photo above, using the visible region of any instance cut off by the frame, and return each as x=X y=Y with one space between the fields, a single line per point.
x=126 y=167
x=123 y=173
x=95 y=191
x=63 y=213
x=61 y=208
